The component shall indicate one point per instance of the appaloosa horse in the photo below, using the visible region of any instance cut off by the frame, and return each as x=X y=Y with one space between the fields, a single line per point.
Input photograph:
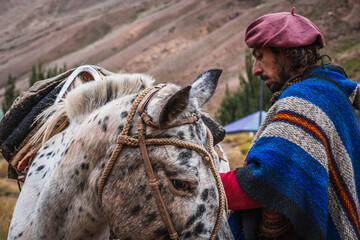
x=90 y=180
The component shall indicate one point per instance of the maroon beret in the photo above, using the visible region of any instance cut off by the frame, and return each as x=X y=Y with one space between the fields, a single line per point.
x=283 y=29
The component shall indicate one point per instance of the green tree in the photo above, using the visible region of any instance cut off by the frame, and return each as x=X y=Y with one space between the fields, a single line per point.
x=10 y=94
x=33 y=77
x=38 y=73
x=245 y=100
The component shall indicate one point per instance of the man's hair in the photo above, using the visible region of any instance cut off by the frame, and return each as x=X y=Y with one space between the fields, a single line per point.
x=302 y=57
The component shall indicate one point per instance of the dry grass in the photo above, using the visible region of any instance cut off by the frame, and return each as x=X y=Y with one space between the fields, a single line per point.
x=237 y=148
x=7 y=205
x=8 y=196
x=3 y=168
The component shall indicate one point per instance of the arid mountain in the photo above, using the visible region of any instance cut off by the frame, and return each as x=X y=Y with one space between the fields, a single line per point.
x=172 y=40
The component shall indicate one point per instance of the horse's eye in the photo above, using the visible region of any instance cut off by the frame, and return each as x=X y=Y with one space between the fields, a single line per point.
x=181 y=185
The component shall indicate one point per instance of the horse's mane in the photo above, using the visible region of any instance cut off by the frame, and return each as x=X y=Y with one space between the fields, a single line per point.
x=85 y=98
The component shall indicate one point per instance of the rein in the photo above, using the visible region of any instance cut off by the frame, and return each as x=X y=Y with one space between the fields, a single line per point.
x=144 y=120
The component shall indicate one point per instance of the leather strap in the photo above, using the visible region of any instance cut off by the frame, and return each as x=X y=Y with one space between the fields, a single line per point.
x=154 y=184
x=123 y=138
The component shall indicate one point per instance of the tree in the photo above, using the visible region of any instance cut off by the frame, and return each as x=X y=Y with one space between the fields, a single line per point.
x=245 y=100
x=38 y=73
x=10 y=94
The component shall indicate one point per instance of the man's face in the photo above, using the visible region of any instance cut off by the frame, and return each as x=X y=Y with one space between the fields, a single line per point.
x=272 y=68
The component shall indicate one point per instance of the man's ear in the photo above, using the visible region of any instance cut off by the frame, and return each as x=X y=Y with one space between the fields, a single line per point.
x=174 y=106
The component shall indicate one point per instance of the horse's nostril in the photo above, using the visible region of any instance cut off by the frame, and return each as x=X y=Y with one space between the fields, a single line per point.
x=181 y=185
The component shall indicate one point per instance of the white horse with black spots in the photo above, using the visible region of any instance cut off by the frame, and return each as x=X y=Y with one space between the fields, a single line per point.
x=59 y=199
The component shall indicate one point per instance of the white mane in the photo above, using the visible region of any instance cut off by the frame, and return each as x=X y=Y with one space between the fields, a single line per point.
x=84 y=98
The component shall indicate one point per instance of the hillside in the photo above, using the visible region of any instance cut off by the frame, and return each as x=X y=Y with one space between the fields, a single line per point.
x=172 y=40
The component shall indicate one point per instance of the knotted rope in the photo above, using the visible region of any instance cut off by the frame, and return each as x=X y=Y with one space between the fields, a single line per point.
x=124 y=139
x=118 y=147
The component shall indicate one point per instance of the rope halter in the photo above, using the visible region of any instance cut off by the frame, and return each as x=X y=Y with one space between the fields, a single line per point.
x=143 y=121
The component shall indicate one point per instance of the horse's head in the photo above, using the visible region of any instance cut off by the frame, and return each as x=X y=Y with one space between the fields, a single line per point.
x=97 y=112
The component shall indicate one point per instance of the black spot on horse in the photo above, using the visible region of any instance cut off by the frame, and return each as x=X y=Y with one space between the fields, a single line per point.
x=185 y=156
x=84 y=166
x=124 y=114
x=120 y=127
x=44 y=174
x=19 y=235
x=41 y=155
x=161 y=232
x=99 y=122
x=29 y=174
x=148 y=196
x=102 y=165
x=149 y=218
x=88 y=233
x=135 y=210
x=200 y=210
x=82 y=185
x=104 y=127
x=46 y=147
x=181 y=135
x=49 y=153
x=142 y=189
x=191 y=130
x=199 y=228
x=91 y=217
x=80 y=209
x=212 y=193
x=40 y=168
x=76 y=172
x=187 y=235
x=190 y=221
x=171 y=173
x=134 y=166
x=205 y=194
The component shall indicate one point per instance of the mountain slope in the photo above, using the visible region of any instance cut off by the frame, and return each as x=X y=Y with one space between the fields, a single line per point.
x=172 y=40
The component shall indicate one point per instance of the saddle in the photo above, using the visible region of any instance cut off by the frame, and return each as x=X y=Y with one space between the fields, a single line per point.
x=20 y=122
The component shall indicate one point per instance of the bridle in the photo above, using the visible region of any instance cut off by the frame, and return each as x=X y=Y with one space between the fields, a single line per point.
x=144 y=120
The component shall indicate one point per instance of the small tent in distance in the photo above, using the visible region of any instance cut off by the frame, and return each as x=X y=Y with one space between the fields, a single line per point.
x=249 y=123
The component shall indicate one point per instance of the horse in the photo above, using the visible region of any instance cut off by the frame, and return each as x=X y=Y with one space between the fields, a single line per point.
x=72 y=191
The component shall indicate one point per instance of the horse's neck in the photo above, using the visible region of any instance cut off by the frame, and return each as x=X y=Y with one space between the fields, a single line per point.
x=58 y=212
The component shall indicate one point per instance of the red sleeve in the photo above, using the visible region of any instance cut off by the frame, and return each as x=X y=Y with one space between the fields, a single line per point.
x=237 y=198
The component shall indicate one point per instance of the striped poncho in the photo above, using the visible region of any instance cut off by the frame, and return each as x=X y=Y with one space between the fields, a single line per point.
x=305 y=158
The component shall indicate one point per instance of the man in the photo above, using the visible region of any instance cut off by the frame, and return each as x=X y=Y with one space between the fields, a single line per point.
x=301 y=179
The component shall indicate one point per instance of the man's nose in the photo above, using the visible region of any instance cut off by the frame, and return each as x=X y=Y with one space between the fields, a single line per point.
x=257 y=68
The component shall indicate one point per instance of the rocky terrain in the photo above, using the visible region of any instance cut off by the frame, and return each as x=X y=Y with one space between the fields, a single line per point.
x=172 y=40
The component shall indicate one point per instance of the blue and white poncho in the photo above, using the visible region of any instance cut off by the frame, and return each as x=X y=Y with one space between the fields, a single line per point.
x=305 y=159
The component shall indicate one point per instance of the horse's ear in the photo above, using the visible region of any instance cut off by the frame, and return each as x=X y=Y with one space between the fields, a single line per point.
x=174 y=106
x=204 y=86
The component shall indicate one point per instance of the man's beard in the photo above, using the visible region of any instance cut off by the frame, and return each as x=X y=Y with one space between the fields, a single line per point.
x=283 y=76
